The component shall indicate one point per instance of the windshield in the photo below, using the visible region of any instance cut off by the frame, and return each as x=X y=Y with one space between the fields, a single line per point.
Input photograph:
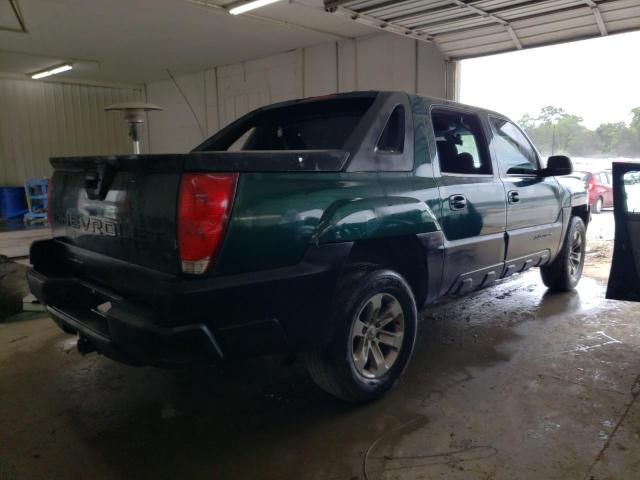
x=315 y=125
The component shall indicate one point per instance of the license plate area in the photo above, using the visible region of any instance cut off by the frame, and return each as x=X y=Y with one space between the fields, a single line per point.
x=85 y=305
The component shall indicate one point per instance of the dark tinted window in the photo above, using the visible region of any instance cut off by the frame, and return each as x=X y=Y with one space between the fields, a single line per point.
x=239 y=144
x=392 y=138
x=460 y=143
x=515 y=153
x=314 y=125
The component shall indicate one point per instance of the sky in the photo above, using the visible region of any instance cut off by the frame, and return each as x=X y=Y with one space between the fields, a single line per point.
x=598 y=79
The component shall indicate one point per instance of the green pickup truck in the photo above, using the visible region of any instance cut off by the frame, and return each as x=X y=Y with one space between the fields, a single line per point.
x=320 y=227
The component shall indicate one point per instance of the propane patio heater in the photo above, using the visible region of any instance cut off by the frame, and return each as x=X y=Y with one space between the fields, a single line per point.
x=134 y=116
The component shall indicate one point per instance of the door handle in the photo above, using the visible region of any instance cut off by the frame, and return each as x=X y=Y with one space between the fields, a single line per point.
x=457 y=202
x=514 y=197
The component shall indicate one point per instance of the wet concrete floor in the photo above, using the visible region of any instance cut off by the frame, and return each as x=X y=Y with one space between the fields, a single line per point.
x=506 y=383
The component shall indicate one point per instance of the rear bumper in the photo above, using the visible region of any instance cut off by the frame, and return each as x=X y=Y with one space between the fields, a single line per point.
x=120 y=330
x=186 y=320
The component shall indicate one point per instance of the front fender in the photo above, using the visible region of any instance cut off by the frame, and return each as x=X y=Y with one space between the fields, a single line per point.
x=575 y=192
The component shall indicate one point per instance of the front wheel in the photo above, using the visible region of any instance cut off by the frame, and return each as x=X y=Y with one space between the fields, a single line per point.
x=375 y=321
x=563 y=274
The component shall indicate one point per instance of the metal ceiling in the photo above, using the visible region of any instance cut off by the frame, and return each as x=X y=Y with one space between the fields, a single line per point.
x=14 y=21
x=471 y=28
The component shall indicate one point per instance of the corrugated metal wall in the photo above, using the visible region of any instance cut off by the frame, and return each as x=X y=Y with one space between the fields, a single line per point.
x=39 y=120
x=222 y=94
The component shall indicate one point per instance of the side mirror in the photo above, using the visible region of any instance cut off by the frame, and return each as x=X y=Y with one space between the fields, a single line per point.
x=558 y=165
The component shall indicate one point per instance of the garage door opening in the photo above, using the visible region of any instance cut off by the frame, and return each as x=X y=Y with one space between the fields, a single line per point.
x=578 y=99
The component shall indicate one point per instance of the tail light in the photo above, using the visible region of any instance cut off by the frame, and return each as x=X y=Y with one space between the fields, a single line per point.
x=203 y=213
x=591 y=184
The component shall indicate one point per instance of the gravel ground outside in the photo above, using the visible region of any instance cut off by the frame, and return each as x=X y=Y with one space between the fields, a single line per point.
x=600 y=235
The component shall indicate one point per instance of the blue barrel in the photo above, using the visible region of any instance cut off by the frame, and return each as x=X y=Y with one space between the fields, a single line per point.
x=13 y=202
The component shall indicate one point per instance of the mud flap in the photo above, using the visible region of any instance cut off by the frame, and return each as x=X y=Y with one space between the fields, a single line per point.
x=624 y=281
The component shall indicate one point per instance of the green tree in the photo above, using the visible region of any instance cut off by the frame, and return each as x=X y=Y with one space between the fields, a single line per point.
x=610 y=135
x=634 y=131
x=550 y=114
x=635 y=119
x=527 y=122
x=585 y=143
x=556 y=131
x=567 y=129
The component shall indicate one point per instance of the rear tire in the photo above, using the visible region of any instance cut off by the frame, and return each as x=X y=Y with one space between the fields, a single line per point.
x=597 y=207
x=375 y=321
x=564 y=273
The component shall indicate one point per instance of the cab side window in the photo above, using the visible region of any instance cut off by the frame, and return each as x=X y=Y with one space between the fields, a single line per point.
x=392 y=138
x=460 y=143
x=515 y=154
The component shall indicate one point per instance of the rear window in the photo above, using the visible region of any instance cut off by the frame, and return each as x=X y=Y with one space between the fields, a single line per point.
x=315 y=125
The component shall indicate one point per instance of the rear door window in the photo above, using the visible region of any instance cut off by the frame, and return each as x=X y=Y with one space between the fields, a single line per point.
x=460 y=143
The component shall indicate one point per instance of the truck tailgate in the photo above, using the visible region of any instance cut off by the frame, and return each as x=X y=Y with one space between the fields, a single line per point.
x=121 y=207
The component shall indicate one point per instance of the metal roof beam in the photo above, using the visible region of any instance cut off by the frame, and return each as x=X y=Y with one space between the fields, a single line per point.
x=495 y=18
x=438 y=23
x=381 y=6
x=571 y=9
x=333 y=6
x=429 y=13
x=19 y=18
x=381 y=24
x=372 y=10
x=598 y=16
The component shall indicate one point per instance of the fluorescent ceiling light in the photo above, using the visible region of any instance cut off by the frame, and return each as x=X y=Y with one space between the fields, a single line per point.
x=54 y=71
x=245 y=7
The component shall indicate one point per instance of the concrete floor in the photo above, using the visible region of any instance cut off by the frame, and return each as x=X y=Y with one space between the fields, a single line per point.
x=506 y=383
x=15 y=242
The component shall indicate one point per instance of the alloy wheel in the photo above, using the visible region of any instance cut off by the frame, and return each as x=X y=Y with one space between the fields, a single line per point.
x=576 y=254
x=377 y=335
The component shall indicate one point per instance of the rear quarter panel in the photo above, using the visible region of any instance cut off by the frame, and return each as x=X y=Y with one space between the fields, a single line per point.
x=277 y=216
